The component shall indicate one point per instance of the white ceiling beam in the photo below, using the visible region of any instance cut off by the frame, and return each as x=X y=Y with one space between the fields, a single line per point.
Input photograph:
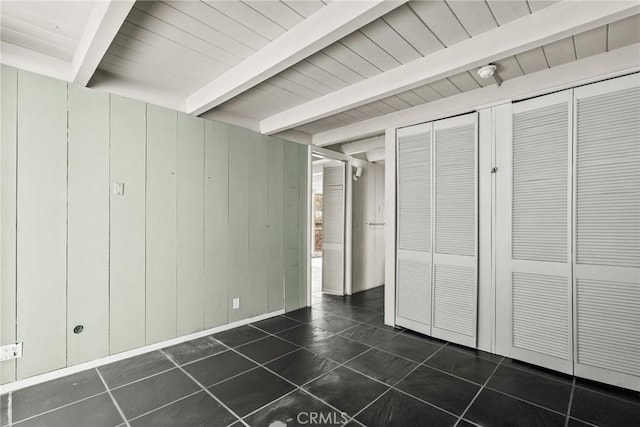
x=584 y=71
x=376 y=155
x=104 y=23
x=30 y=60
x=363 y=145
x=548 y=25
x=331 y=23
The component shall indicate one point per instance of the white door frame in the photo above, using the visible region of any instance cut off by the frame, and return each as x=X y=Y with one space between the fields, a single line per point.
x=348 y=161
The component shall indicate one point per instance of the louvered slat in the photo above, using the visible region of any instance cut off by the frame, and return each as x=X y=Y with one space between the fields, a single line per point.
x=608 y=322
x=414 y=192
x=455 y=191
x=540 y=315
x=414 y=291
x=608 y=179
x=540 y=195
x=454 y=293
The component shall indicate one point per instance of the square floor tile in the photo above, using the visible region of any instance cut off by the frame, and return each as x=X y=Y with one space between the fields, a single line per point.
x=195 y=349
x=357 y=314
x=603 y=410
x=378 y=322
x=382 y=366
x=440 y=389
x=146 y=395
x=532 y=388
x=346 y=390
x=4 y=409
x=475 y=352
x=538 y=370
x=304 y=334
x=609 y=390
x=577 y=423
x=266 y=349
x=399 y=410
x=305 y=315
x=239 y=336
x=97 y=411
x=251 y=390
x=301 y=366
x=338 y=348
x=496 y=409
x=134 y=368
x=199 y=409
x=276 y=324
x=295 y=409
x=43 y=397
x=367 y=334
x=463 y=365
x=411 y=348
x=218 y=368
x=333 y=323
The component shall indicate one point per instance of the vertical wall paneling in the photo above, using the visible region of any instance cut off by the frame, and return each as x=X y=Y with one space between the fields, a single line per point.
x=161 y=224
x=258 y=220
x=607 y=231
x=42 y=223
x=291 y=226
x=239 y=286
x=414 y=219
x=127 y=305
x=88 y=225
x=275 y=164
x=455 y=230
x=8 y=159
x=333 y=229
x=190 y=224
x=303 y=220
x=216 y=224
x=539 y=268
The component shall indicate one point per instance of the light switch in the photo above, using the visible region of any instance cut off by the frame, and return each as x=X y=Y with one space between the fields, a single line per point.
x=118 y=188
x=236 y=303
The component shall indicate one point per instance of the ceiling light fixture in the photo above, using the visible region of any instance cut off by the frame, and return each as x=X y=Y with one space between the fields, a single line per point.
x=489 y=71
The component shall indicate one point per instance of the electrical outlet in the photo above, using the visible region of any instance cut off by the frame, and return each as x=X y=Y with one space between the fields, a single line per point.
x=10 y=351
x=118 y=188
x=236 y=303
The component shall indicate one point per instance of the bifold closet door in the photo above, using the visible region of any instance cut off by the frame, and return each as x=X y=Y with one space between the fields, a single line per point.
x=333 y=230
x=607 y=231
x=455 y=230
x=413 y=288
x=539 y=204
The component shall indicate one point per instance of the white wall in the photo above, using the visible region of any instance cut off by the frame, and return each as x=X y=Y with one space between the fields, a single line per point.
x=368 y=239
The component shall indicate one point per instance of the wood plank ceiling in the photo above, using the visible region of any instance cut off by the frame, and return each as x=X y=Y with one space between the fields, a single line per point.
x=171 y=49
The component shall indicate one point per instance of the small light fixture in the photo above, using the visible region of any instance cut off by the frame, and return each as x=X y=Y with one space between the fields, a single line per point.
x=489 y=71
x=357 y=174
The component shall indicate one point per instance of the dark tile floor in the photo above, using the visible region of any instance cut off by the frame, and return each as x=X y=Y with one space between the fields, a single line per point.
x=332 y=364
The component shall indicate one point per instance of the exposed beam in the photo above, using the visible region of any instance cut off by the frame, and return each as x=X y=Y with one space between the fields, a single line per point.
x=548 y=25
x=362 y=145
x=376 y=155
x=331 y=23
x=104 y=23
x=604 y=65
x=30 y=60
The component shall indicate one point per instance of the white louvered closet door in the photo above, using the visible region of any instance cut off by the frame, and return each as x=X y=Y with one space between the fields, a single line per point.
x=455 y=260
x=333 y=216
x=607 y=231
x=413 y=282
x=540 y=208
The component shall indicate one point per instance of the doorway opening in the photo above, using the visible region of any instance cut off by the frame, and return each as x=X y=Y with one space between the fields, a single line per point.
x=328 y=226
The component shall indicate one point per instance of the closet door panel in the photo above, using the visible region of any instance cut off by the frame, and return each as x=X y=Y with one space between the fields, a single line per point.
x=607 y=231
x=455 y=270
x=539 y=271
x=413 y=298
x=333 y=230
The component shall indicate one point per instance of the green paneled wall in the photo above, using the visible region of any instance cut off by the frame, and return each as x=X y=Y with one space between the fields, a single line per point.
x=210 y=212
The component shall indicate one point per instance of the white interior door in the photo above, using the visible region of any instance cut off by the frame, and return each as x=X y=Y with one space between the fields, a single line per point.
x=536 y=263
x=607 y=231
x=378 y=227
x=333 y=220
x=455 y=230
x=413 y=282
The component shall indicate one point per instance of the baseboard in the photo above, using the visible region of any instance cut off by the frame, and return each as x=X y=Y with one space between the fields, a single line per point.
x=58 y=373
